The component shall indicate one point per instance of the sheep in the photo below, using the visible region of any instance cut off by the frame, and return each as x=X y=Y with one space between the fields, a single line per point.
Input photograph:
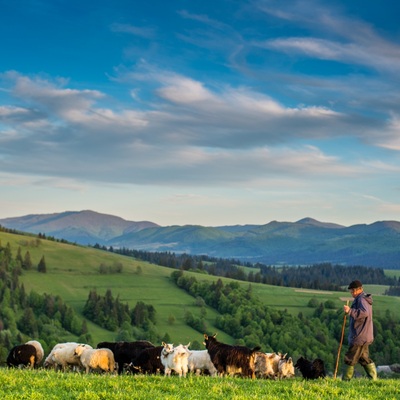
x=39 y=351
x=22 y=355
x=50 y=361
x=384 y=369
x=62 y=356
x=175 y=359
x=199 y=360
x=93 y=359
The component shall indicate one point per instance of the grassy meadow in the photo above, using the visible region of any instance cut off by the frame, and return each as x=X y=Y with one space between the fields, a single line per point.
x=72 y=271
x=43 y=385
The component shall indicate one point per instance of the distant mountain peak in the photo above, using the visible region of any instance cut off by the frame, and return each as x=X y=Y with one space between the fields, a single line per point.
x=314 y=222
x=308 y=220
x=84 y=226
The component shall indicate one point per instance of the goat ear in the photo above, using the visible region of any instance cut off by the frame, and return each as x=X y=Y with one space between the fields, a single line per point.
x=215 y=334
x=164 y=344
x=205 y=336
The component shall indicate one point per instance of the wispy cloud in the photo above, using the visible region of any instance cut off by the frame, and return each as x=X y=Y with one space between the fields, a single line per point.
x=335 y=37
x=390 y=139
x=144 y=31
x=352 y=53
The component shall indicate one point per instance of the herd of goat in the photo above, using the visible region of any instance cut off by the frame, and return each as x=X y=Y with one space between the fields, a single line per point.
x=143 y=357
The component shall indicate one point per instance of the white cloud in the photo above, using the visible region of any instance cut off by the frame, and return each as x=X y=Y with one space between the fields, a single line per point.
x=12 y=112
x=190 y=134
x=184 y=90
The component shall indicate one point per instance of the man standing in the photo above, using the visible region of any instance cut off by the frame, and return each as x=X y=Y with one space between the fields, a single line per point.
x=361 y=333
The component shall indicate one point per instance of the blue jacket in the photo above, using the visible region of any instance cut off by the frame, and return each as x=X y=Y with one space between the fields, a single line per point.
x=361 y=326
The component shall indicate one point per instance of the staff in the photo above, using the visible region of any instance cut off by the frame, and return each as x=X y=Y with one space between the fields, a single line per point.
x=341 y=342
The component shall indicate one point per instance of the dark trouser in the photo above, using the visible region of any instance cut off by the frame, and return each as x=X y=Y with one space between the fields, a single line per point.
x=358 y=354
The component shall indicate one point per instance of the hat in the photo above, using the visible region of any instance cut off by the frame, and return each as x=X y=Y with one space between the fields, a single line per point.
x=355 y=285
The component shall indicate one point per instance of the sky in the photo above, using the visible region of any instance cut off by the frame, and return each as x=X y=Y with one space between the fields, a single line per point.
x=206 y=112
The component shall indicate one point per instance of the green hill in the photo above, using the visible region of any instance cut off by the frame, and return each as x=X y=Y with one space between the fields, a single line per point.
x=72 y=271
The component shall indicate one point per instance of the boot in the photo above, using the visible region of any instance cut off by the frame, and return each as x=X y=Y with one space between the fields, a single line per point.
x=370 y=369
x=348 y=374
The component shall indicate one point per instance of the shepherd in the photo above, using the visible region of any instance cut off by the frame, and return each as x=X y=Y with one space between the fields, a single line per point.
x=361 y=333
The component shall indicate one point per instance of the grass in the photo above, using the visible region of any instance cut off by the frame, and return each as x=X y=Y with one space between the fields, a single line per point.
x=42 y=384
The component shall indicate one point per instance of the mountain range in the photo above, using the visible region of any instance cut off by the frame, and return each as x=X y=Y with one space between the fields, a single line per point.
x=303 y=242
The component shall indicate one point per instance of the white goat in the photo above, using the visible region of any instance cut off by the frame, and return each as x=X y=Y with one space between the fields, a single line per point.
x=175 y=359
x=285 y=368
x=200 y=361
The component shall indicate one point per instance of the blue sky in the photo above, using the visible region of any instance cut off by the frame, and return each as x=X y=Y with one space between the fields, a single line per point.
x=201 y=112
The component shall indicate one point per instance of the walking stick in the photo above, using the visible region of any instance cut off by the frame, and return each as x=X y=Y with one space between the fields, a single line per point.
x=340 y=343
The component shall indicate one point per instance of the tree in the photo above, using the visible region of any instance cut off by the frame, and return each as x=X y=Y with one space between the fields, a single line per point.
x=84 y=329
x=27 y=264
x=7 y=255
x=18 y=258
x=27 y=323
x=139 y=313
x=42 y=265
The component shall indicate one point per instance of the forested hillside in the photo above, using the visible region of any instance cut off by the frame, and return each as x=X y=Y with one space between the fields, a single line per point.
x=126 y=298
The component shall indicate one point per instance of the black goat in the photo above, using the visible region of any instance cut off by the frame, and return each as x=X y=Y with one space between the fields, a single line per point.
x=311 y=369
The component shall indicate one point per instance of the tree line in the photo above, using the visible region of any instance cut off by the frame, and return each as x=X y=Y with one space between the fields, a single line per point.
x=39 y=236
x=321 y=276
